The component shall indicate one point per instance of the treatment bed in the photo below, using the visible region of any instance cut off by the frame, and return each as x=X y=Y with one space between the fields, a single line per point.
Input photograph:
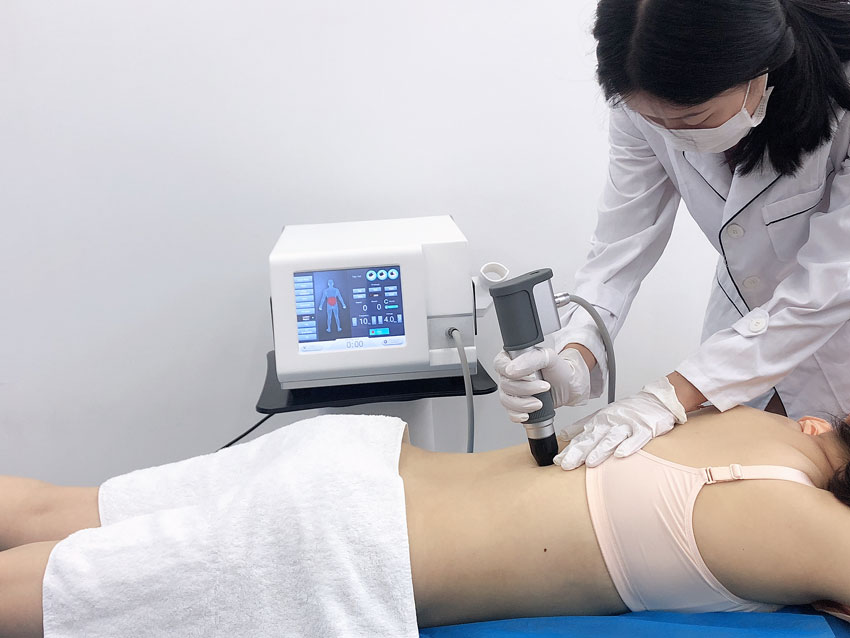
x=792 y=621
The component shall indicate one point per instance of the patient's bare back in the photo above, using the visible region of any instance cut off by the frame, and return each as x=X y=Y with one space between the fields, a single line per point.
x=521 y=538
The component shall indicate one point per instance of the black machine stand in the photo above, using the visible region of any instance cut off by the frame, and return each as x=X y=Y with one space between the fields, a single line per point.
x=274 y=399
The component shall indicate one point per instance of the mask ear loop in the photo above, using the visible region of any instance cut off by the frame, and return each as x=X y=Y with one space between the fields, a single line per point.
x=767 y=91
x=747 y=95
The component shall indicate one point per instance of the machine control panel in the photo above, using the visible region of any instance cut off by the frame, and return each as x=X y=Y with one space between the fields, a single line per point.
x=349 y=309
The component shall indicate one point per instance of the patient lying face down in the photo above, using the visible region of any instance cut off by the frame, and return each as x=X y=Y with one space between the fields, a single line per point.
x=494 y=535
x=730 y=511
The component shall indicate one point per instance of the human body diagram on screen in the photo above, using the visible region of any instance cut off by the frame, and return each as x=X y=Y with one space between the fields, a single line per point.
x=331 y=296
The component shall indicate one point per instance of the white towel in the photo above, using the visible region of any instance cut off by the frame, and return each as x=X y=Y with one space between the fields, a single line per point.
x=301 y=532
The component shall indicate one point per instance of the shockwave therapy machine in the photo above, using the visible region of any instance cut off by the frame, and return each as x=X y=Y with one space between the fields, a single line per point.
x=374 y=301
x=367 y=301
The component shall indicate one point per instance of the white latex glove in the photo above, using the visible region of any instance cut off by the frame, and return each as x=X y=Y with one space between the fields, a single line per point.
x=623 y=427
x=566 y=375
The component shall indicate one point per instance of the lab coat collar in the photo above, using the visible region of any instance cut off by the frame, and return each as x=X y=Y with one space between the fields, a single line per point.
x=745 y=190
x=734 y=192
x=713 y=171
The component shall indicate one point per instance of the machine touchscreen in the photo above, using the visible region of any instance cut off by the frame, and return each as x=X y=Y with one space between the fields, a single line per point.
x=353 y=308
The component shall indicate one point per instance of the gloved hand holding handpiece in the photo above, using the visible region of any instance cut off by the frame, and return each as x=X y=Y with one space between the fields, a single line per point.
x=526 y=310
x=566 y=376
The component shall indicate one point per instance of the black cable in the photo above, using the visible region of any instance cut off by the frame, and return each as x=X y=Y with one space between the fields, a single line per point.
x=247 y=432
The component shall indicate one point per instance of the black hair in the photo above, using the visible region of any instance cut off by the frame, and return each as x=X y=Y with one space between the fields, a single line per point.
x=686 y=52
x=839 y=483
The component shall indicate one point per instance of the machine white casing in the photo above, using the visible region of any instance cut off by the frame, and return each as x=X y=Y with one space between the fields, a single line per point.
x=433 y=258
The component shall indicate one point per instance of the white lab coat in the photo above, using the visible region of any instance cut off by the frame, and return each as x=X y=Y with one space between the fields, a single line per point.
x=779 y=311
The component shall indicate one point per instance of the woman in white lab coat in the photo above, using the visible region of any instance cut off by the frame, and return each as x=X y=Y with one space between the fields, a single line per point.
x=739 y=109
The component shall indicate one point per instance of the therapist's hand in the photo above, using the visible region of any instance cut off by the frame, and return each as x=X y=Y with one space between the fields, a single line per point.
x=623 y=427
x=566 y=375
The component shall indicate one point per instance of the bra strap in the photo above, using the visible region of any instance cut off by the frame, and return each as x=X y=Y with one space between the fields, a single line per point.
x=735 y=472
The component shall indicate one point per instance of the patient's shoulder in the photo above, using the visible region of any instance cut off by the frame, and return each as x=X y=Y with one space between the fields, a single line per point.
x=741 y=435
x=743 y=416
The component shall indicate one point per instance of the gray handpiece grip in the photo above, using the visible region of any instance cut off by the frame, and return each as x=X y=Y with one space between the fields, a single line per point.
x=519 y=323
x=516 y=310
x=547 y=412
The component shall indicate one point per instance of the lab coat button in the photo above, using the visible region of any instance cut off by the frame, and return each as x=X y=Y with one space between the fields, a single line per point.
x=751 y=282
x=735 y=231
x=757 y=324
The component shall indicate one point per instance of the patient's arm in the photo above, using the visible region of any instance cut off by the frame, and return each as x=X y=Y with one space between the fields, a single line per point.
x=805 y=558
x=830 y=549
x=759 y=539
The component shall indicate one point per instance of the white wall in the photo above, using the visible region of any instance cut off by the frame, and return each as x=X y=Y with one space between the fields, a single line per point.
x=150 y=153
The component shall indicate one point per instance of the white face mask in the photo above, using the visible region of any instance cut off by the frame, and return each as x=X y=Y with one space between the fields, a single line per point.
x=723 y=137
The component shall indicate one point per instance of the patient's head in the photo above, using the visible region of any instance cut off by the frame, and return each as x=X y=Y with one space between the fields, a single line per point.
x=839 y=484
